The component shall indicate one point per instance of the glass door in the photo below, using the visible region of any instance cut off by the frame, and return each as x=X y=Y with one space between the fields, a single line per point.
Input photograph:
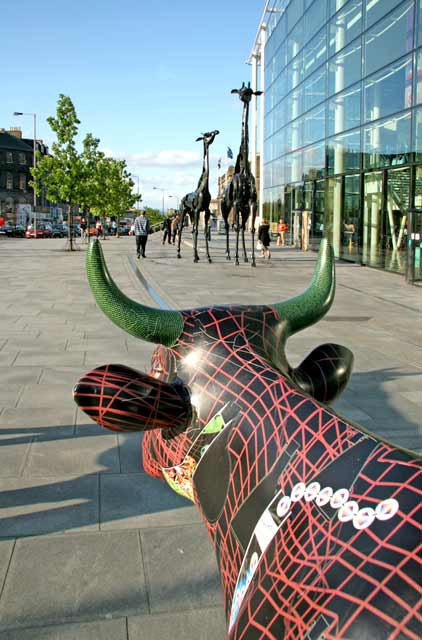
x=372 y=240
x=351 y=241
x=397 y=209
x=317 y=226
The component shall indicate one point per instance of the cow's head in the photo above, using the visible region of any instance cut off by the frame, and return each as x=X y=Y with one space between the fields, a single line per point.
x=190 y=337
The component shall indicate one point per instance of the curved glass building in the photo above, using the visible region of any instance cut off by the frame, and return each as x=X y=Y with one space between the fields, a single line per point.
x=342 y=123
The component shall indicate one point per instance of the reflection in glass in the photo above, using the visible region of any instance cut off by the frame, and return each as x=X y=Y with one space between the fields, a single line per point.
x=345 y=26
x=343 y=111
x=418 y=78
x=315 y=52
x=417 y=134
x=350 y=242
x=389 y=90
x=397 y=208
x=376 y=9
x=333 y=213
x=390 y=38
x=387 y=143
x=314 y=161
x=344 y=153
x=317 y=228
x=314 y=89
x=350 y=60
x=372 y=220
x=335 y=5
x=314 y=125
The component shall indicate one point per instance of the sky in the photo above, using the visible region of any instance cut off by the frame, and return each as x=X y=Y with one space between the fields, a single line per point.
x=146 y=77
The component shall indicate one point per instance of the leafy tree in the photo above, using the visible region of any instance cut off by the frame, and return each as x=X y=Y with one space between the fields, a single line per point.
x=113 y=192
x=154 y=215
x=62 y=174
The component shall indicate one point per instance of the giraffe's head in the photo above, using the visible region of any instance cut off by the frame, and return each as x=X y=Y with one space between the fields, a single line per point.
x=208 y=138
x=246 y=93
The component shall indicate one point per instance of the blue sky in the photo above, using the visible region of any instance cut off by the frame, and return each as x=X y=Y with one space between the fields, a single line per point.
x=145 y=77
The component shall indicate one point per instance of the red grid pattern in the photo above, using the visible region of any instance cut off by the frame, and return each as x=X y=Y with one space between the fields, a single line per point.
x=318 y=575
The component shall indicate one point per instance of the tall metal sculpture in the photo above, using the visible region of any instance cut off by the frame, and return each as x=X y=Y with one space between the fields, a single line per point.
x=199 y=200
x=315 y=522
x=240 y=193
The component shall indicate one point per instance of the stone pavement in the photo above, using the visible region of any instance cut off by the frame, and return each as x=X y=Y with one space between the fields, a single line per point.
x=90 y=546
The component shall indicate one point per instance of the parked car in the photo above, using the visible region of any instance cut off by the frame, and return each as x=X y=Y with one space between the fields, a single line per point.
x=43 y=231
x=124 y=230
x=59 y=231
x=13 y=230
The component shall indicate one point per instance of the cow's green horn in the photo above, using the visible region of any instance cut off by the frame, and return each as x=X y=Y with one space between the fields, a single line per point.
x=154 y=325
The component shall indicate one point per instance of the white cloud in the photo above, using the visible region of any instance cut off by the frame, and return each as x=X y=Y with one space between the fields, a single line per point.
x=164 y=158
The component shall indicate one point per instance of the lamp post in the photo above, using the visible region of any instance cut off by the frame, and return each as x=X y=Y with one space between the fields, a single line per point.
x=34 y=115
x=177 y=200
x=163 y=190
x=137 y=177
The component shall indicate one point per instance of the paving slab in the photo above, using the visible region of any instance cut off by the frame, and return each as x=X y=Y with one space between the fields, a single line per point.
x=73 y=578
x=35 y=506
x=203 y=624
x=73 y=455
x=104 y=630
x=148 y=502
x=180 y=568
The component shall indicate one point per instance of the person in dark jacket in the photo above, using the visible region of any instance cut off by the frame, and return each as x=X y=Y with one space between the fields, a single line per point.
x=167 y=230
x=141 y=233
x=264 y=239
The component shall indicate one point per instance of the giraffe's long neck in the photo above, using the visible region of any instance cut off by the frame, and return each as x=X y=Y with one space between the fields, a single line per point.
x=203 y=180
x=244 y=142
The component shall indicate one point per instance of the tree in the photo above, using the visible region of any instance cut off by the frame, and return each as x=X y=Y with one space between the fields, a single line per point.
x=62 y=174
x=114 y=195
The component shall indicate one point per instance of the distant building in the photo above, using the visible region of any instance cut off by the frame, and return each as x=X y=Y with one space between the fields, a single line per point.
x=340 y=122
x=16 y=160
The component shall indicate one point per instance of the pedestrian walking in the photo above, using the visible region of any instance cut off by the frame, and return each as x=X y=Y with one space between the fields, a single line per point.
x=99 y=229
x=175 y=228
x=264 y=239
x=83 y=227
x=142 y=229
x=167 y=230
x=281 y=230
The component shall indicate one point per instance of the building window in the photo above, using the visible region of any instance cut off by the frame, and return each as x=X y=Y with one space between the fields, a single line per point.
x=389 y=38
x=22 y=182
x=22 y=158
x=389 y=90
x=417 y=134
x=343 y=111
x=344 y=153
x=9 y=181
x=345 y=68
x=388 y=143
x=345 y=26
x=377 y=9
x=9 y=157
x=418 y=78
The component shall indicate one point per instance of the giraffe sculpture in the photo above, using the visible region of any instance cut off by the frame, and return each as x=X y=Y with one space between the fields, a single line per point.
x=199 y=200
x=240 y=193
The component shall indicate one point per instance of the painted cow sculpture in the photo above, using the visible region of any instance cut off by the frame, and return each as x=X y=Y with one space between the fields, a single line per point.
x=315 y=522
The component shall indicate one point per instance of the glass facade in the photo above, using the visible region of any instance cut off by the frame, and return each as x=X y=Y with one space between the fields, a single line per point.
x=343 y=124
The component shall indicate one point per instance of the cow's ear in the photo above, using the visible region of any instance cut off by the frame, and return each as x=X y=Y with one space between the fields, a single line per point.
x=325 y=372
x=123 y=399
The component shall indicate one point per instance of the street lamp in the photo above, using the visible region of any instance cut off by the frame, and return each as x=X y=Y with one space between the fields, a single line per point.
x=34 y=115
x=163 y=190
x=177 y=200
x=137 y=177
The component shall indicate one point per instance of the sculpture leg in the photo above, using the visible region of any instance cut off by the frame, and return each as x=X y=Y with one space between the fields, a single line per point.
x=207 y=214
x=179 y=235
x=195 y=237
x=227 y=241
x=253 y=209
x=245 y=257
x=236 y=221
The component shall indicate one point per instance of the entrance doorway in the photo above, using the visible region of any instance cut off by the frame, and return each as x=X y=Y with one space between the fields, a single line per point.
x=385 y=216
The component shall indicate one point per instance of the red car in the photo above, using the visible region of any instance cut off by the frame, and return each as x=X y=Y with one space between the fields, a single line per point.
x=43 y=231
